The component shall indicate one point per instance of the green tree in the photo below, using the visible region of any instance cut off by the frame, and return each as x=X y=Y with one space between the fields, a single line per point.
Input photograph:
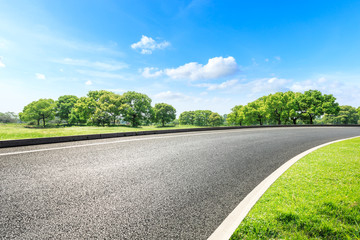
x=64 y=105
x=276 y=107
x=8 y=117
x=215 y=119
x=293 y=107
x=236 y=117
x=136 y=108
x=43 y=109
x=164 y=113
x=313 y=104
x=83 y=109
x=107 y=108
x=346 y=115
x=255 y=112
x=187 y=118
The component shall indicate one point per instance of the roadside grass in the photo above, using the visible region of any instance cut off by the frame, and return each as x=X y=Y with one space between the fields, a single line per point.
x=11 y=131
x=317 y=198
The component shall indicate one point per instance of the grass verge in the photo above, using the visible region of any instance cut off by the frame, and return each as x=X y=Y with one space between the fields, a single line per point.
x=12 y=131
x=317 y=198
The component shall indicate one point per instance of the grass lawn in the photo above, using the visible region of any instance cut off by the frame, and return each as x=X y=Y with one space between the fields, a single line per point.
x=317 y=198
x=20 y=131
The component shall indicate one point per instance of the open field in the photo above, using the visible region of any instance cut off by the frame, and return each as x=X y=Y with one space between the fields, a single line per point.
x=20 y=131
x=317 y=198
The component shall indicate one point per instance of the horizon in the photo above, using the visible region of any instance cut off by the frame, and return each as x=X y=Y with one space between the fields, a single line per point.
x=193 y=55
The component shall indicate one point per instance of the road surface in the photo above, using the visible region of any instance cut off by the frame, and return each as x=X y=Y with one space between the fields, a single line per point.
x=171 y=186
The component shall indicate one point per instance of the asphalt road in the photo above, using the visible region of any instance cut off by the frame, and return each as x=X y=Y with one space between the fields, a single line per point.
x=171 y=186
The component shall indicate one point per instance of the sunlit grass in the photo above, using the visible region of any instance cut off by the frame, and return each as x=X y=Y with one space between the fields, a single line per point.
x=317 y=198
x=21 y=131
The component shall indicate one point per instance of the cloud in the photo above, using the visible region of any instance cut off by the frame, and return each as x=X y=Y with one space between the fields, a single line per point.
x=89 y=83
x=278 y=58
x=216 y=67
x=2 y=65
x=106 y=66
x=40 y=76
x=223 y=85
x=148 y=45
x=169 y=95
x=147 y=72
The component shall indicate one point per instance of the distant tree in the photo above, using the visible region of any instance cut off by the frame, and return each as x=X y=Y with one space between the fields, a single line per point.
x=293 y=108
x=8 y=117
x=136 y=107
x=236 y=117
x=83 y=109
x=313 y=104
x=164 y=113
x=107 y=108
x=346 y=115
x=276 y=106
x=43 y=109
x=201 y=117
x=187 y=118
x=255 y=112
x=215 y=119
x=64 y=105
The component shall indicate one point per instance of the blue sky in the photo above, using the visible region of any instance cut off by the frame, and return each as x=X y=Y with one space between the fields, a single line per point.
x=199 y=54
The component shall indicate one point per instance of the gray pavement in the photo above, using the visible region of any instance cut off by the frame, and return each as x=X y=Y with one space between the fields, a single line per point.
x=171 y=186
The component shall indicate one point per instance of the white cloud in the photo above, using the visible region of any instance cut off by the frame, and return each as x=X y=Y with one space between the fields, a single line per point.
x=278 y=58
x=148 y=45
x=89 y=83
x=40 y=76
x=2 y=65
x=215 y=68
x=148 y=74
x=223 y=85
x=169 y=95
x=106 y=66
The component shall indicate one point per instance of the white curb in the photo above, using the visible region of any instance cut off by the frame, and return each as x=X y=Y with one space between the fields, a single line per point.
x=233 y=220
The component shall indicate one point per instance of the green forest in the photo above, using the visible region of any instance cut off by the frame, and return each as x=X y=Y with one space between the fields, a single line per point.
x=105 y=108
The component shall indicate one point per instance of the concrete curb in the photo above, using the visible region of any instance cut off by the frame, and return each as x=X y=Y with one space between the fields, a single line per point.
x=233 y=220
x=38 y=141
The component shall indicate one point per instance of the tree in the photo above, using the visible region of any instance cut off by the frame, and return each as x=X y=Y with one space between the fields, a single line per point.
x=83 y=109
x=64 y=105
x=164 y=113
x=276 y=107
x=236 y=117
x=293 y=107
x=8 y=117
x=215 y=119
x=136 y=108
x=255 y=111
x=107 y=108
x=346 y=115
x=39 y=110
x=187 y=118
x=313 y=104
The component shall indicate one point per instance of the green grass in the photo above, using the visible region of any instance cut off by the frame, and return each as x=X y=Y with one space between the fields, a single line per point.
x=21 y=131
x=317 y=198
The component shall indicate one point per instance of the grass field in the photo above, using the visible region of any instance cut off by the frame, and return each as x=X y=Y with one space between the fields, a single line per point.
x=21 y=131
x=317 y=198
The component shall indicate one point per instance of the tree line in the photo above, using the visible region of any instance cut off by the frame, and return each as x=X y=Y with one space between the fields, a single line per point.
x=292 y=108
x=132 y=108
x=100 y=108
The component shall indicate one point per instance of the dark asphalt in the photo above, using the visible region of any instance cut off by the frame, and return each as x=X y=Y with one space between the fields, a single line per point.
x=171 y=186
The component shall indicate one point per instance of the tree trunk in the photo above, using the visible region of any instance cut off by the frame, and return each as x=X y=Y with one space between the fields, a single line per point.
x=311 y=119
x=44 y=121
x=294 y=121
x=163 y=123
x=279 y=121
x=38 y=120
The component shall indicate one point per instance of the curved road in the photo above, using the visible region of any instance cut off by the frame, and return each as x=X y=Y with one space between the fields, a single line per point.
x=171 y=186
